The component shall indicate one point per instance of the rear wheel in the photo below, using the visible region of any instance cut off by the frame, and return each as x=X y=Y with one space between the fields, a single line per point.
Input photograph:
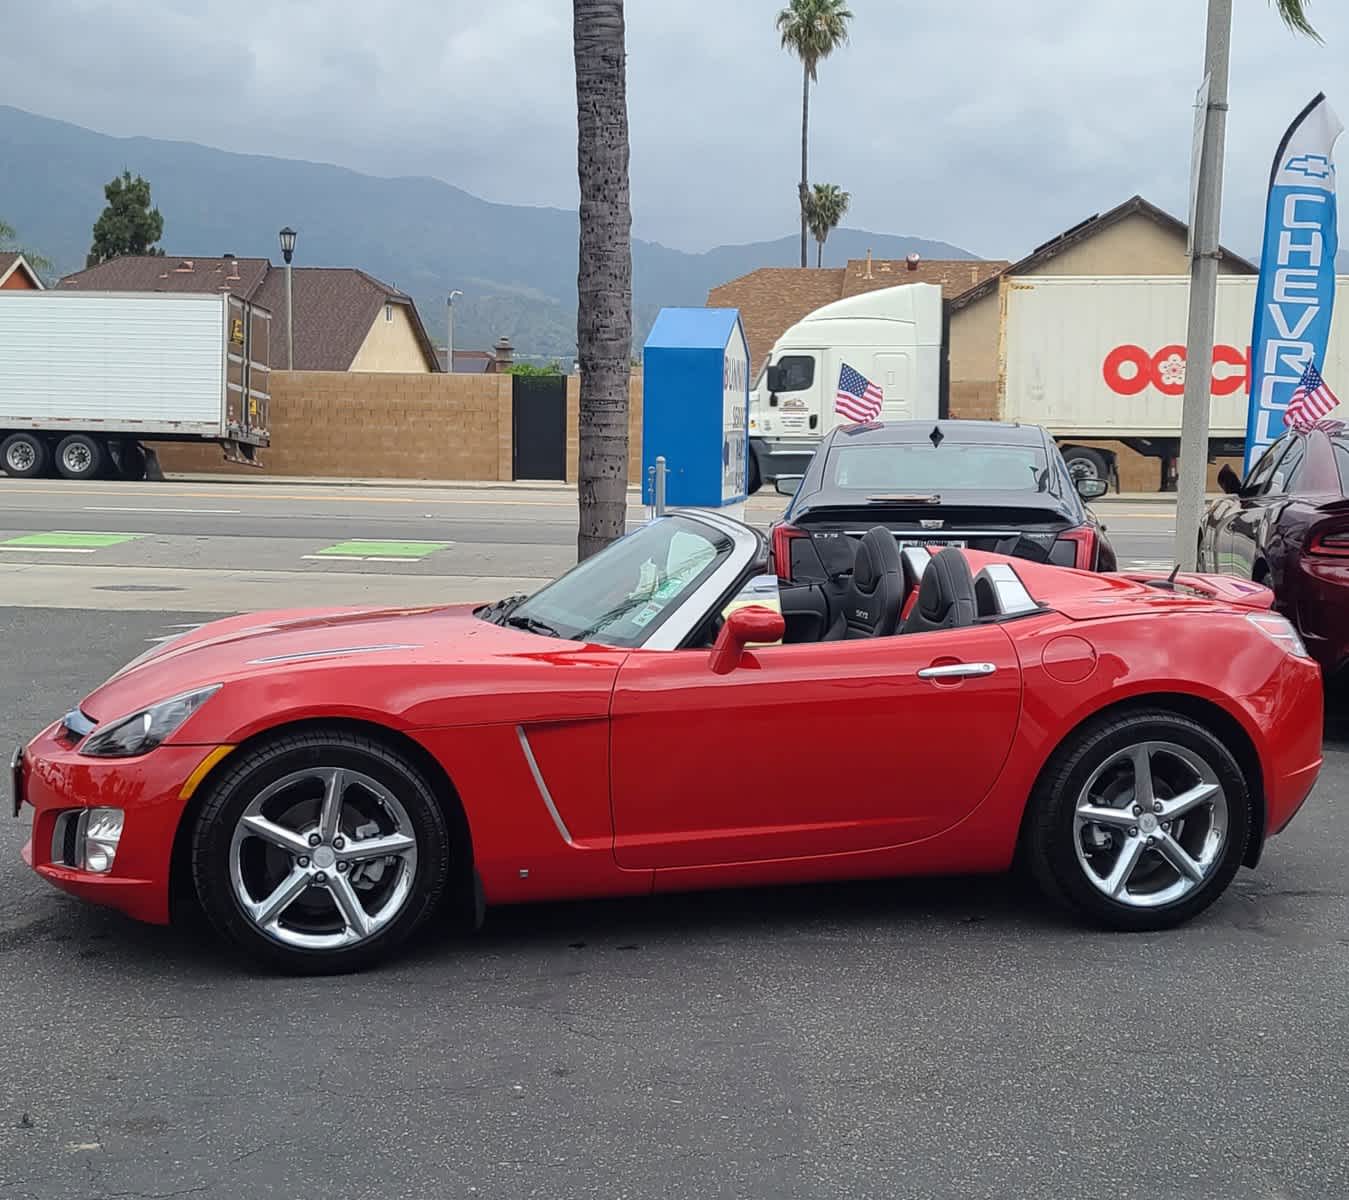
x=320 y=852
x=1140 y=821
x=80 y=456
x=1085 y=463
x=755 y=480
x=23 y=455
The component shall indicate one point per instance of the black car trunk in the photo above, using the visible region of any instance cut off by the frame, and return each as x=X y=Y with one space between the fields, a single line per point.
x=1021 y=526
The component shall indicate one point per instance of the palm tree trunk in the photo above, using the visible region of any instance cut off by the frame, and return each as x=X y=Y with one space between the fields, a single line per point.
x=804 y=190
x=604 y=280
x=819 y=254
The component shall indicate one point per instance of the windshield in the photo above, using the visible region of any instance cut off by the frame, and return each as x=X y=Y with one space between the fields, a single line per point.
x=925 y=468
x=621 y=595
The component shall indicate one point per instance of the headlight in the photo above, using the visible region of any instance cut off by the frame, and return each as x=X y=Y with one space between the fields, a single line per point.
x=1279 y=629
x=143 y=731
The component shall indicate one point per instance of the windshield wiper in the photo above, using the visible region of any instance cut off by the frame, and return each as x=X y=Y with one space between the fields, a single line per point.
x=533 y=626
x=498 y=610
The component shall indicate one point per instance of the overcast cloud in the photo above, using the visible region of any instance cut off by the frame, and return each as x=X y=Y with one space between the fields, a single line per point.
x=977 y=122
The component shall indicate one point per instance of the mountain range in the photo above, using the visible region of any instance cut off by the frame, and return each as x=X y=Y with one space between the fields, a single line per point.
x=516 y=264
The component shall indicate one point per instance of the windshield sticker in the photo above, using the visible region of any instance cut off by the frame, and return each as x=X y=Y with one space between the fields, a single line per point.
x=644 y=616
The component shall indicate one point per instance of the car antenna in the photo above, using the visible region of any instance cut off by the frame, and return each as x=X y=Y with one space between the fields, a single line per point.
x=936 y=436
x=1166 y=585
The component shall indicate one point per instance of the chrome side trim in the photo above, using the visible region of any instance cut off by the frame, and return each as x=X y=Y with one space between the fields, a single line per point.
x=957 y=670
x=335 y=652
x=543 y=787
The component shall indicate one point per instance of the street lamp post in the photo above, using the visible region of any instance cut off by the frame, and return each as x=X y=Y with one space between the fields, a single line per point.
x=287 y=252
x=1193 y=476
x=449 y=345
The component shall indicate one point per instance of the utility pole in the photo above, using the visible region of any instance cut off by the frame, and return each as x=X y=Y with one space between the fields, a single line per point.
x=1193 y=477
x=449 y=345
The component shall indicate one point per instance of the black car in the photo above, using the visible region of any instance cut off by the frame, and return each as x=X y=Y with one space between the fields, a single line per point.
x=982 y=484
x=1286 y=525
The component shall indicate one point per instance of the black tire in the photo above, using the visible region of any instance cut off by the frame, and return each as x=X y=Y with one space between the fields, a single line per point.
x=1085 y=463
x=80 y=456
x=1050 y=836
x=755 y=481
x=288 y=754
x=24 y=455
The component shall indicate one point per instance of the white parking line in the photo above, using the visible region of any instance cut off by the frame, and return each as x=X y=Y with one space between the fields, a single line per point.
x=49 y=549
x=180 y=512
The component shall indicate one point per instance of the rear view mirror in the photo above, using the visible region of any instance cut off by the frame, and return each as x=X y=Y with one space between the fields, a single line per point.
x=753 y=623
x=786 y=485
x=773 y=378
x=1091 y=489
x=1228 y=480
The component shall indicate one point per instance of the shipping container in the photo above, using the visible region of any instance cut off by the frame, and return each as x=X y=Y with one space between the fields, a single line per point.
x=87 y=377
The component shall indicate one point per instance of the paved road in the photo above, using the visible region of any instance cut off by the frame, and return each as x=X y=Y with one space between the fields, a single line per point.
x=922 y=1039
x=225 y=547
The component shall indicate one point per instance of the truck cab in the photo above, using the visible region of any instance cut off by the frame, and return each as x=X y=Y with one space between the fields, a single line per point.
x=892 y=336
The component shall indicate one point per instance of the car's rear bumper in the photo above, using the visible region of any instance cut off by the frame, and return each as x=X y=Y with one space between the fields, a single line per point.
x=1320 y=609
x=148 y=791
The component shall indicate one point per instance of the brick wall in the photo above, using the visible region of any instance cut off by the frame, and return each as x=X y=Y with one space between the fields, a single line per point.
x=394 y=426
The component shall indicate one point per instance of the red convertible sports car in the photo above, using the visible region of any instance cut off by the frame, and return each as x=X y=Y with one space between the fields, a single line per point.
x=664 y=717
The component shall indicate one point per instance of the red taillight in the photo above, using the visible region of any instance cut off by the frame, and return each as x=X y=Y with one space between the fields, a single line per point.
x=1083 y=541
x=783 y=537
x=1330 y=539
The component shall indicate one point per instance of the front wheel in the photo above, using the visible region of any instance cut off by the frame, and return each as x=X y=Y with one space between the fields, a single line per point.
x=1139 y=821
x=320 y=852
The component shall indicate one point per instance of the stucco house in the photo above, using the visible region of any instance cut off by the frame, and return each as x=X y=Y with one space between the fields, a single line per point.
x=345 y=319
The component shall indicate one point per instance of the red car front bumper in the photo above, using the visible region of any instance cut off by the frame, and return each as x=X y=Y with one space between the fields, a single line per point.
x=148 y=790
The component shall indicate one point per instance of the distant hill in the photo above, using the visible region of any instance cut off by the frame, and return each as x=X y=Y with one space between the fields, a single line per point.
x=515 y=264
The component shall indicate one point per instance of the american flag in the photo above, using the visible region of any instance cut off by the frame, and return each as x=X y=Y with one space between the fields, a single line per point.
x=1311 y=401
x=857 y=398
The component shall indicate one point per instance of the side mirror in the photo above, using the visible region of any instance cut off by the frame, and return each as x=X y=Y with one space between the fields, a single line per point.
x=1091 y=489
x=1228 y=480
x=753 y=623
x=773 y=378
x=786 y=485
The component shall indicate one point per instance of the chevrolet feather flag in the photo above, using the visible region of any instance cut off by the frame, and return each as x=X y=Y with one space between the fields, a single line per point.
x=1296 y=290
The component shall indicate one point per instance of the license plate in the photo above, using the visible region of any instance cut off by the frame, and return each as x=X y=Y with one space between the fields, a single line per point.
x=906 y=542
x=16 y=777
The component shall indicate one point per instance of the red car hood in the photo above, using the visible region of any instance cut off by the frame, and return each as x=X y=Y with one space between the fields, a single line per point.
x=278 y=641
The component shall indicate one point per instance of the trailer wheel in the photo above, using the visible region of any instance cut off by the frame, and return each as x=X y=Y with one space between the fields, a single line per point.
x=80 y=456
x=23 y=455
x=1085 y=463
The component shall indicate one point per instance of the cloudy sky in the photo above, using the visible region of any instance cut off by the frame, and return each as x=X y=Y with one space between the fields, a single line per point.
x=986 y=124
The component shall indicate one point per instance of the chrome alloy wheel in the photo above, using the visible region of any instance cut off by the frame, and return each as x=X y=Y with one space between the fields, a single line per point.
x=76 y=458
x=20 y=457
x=1150 y=824
x=323 y=858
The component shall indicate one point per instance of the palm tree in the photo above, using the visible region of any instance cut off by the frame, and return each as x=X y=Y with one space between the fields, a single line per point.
x=1294 y=14
x=604 y=282
x=811 y=30
x=827 y=206
x=42 y=266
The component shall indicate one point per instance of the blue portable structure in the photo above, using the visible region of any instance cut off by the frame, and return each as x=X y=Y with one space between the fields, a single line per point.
x=695 y=406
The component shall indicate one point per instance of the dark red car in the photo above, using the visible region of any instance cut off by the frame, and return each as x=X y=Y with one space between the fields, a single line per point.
x=1286 y=525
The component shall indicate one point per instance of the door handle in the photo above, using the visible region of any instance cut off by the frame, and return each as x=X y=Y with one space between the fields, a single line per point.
x=957 y=670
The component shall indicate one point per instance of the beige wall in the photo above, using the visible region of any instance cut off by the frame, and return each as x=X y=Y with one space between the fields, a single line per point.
x=391 y=345
x=381 y=425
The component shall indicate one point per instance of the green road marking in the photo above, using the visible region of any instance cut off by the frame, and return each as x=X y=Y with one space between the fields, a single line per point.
x=359 y=549
x=66 y=540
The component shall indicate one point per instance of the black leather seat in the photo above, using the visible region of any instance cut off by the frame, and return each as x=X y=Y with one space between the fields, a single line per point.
x=875 y=593
x=946 y=596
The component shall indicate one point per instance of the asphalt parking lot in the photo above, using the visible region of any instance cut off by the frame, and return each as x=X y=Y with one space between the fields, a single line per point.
x=947 y=1038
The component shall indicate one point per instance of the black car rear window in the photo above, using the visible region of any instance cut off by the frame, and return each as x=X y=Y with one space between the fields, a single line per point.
x=922 y=467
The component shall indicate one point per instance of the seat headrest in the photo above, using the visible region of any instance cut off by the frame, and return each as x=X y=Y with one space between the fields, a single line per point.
x=877 y=555
x=946 y=596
